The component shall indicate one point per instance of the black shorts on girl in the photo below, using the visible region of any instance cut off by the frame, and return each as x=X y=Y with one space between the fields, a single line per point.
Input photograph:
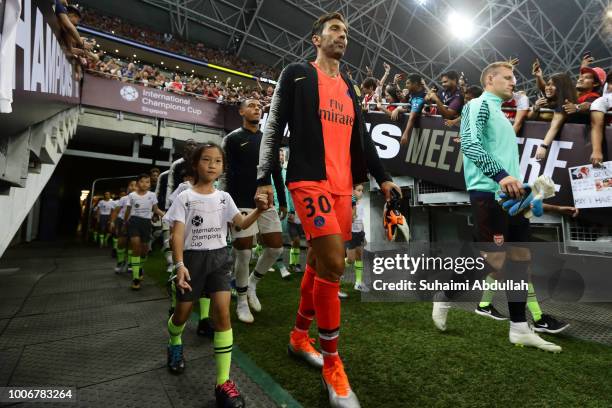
x=210 y=272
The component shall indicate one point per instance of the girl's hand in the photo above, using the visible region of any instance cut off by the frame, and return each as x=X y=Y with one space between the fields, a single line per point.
x=261 y=202
x=182 y=279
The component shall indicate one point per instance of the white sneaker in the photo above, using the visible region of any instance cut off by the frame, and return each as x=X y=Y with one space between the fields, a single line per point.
x=253 y=300
x=342 y=295
x=284 y=272
x=243 y=311
x=522 y=335
x=440 y=312
x=118 y=268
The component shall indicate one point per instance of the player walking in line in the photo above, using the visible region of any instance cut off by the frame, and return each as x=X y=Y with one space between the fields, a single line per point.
x=242 y=152
x=199 y=217
x=330 y=152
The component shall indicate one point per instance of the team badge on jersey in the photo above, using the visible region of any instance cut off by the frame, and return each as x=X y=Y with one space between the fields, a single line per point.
x=136 y=205
x=319 y=221
x=498 y=239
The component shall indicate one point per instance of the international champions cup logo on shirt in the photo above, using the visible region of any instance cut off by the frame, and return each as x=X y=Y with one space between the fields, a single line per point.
x=129 y=93
x=197 y=220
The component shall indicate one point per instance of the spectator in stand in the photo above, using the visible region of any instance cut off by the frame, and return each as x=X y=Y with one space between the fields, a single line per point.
x=110 y=67
x=69 y=17
x=415 y=85
x=267 y=98
x=471 y=92
x=588 y=86
x=129 y=73
x=559 y=91
x=176 y=85
x=160 y=81
x=391 y=100
x=80 y=48
x=449 y=100
x=415 y=98
x=517 y=110
x=368 y=87
x=599 y=108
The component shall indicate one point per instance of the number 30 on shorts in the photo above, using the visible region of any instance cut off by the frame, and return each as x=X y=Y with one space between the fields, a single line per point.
x=323 y=203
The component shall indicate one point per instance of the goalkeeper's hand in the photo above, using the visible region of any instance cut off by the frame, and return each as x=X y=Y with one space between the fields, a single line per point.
x=515 y=206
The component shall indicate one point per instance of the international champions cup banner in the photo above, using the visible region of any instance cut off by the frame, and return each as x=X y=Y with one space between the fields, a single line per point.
x=433 y=152
x=138 y=99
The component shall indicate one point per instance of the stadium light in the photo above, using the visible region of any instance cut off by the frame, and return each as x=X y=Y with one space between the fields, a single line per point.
x=460 y=26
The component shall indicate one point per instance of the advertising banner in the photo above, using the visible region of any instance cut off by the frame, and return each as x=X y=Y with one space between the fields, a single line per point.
x=433 y=152
x=44 y=80
x=138 y=99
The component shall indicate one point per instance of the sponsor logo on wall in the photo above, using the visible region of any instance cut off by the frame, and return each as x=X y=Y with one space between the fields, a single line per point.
x=129 y=93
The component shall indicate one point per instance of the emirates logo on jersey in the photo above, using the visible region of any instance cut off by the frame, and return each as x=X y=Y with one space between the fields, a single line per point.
x=197 y=220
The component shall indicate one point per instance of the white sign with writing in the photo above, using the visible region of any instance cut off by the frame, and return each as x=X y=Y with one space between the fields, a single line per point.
x=592 y=186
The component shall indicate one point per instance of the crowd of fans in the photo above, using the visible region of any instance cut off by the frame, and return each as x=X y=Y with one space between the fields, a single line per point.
x=89 y=58
x=166 y=41
x=560 y=99
x=193 y=85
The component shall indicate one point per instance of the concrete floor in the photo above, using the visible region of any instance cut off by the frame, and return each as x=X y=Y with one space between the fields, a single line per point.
x=66 y=319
